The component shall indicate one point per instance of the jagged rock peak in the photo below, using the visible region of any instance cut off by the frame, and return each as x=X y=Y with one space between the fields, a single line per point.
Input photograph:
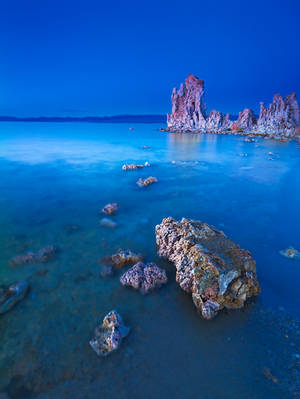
x=246 y=120
x=188 y=105
x=282 y=115
x=217 y=121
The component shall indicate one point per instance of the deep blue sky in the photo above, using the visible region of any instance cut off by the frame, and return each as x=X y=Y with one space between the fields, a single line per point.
x=111 y=57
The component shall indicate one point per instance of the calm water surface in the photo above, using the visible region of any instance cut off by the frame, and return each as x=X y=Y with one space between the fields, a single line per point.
x=53 y=175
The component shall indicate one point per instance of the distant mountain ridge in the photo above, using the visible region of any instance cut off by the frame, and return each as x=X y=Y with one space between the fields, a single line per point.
x=91 y=119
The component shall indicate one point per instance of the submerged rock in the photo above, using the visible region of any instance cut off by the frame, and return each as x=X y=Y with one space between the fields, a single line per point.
x=146 y=182
x=144 y=277
x=110 y=209
x=42 y=256
x=10 y=296
x=109 y=335
x=106 y=271
x=71 y=228
x=215 y=270
x=105 y=222
x=290 y=253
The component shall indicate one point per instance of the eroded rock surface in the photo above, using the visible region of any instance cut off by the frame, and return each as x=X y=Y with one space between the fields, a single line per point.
x=215 y=270
x=109 y=335
x=147 y=182
x=282 y=115
x=144 y=277
x=44 y=255
x=246 y=120
x=10 y=296
x=217 y=121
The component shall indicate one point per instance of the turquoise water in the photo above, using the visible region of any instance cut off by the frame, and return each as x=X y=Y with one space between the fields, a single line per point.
x=54 y=175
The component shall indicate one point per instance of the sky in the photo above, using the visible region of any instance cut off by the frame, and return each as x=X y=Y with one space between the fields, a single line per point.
x=101 y=58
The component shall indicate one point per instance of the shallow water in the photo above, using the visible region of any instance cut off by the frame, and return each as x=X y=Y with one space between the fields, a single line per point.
x=53 y=175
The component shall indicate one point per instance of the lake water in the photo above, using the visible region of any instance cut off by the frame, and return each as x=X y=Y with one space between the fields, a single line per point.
x=54 y=175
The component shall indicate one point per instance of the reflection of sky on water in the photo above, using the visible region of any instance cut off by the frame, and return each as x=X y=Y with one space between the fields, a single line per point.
x=235 y=156
x=35 y=143
x=73 y=143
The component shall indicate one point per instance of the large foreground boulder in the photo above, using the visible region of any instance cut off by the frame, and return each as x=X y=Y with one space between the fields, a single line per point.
x=215 y=270
x=109 y=335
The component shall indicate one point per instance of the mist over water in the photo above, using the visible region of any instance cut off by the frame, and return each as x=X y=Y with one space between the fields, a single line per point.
x=54 y=175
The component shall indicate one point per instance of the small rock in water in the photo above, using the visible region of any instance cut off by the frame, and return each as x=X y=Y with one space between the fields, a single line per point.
x=105 y=222
x=110 y=209
x=146 y=182
x=132 y=166
x=144 y=277
x=106 y=271
x=42 y=256
x=290 y=253
x=10 y=296
x=250 y=139
x=109 y=335
x=125 y=257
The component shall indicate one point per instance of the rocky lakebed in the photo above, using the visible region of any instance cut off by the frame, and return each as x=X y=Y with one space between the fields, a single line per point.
x=153 y=265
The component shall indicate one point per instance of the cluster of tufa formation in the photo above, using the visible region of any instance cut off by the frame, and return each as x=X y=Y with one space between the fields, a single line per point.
x=281 y=118
x=215 y=270
x=109 y=335
x=144 y=277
